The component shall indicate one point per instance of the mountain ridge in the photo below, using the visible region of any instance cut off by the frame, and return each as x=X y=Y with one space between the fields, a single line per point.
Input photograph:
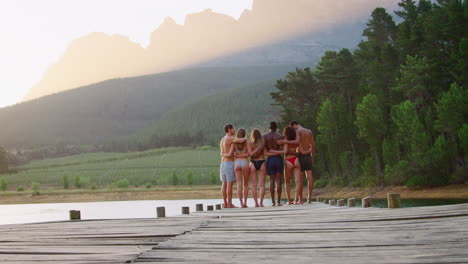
x=203 y=37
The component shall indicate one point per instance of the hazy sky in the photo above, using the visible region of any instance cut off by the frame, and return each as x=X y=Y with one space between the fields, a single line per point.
x=34 y=33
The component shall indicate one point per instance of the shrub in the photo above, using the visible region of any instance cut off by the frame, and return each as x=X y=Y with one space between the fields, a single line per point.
x=20 y=189
x=77 y=182
x=3 y=184
x=123 y=183
x=213 y=178
x=66 y=181
x=148 y=185
x=190 y=178
x=320 y=183
x=36 y=187
x=175 y=180
x=93 y=186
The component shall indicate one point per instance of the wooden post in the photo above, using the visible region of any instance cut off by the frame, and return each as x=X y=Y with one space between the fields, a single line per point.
x=393 y=200
x=332 y=202
x=209 y=208
x=325 y=201
x=75 y=215
x=185 y=210
x=218 y=207
x=366 y=202
x=340 y=202
x=351 y=202
x=318 y=200
x=160 y=212
x=199 y=207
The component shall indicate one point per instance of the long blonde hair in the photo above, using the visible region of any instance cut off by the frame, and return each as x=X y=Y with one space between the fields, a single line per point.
x=256 y=137
x=240 y=134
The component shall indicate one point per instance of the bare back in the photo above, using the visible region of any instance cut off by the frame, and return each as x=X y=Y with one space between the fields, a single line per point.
x=225 y=146
x=241 y=148
x=271 y=139
x=306 y=139
x=260 y=155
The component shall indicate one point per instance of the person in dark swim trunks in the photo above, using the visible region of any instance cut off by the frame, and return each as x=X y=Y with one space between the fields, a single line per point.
x=291 y=165
x=257 y=166
x=306 y=149
x=274 y=163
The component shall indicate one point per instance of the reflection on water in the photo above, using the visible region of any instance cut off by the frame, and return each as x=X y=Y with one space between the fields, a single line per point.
x=33 y=213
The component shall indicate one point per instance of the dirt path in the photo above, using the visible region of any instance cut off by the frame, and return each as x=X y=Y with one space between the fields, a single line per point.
x=442 y=192
x=212 y=192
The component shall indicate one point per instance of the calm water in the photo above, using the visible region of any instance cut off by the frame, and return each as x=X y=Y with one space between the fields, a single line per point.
x=32 y=213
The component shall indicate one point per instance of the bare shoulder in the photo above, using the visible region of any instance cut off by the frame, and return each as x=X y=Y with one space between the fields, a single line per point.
x=229 y=139
x=305 y=131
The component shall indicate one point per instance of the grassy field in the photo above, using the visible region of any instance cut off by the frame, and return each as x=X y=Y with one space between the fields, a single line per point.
x=168 y=166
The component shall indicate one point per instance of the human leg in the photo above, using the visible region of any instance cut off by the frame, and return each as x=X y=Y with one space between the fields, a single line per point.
x=254 y=177
x=245 y=178
x=299 y=182
x=224 y=194
x=229 y=194
x=287 y=180
x=279 y=186
x=262 y=178
x=238 y=172
x=310 y=185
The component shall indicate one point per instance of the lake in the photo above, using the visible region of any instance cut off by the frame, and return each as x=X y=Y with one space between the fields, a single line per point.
x=33 y=213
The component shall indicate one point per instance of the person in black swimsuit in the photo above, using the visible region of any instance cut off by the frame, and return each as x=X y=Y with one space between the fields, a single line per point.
x=257 y=166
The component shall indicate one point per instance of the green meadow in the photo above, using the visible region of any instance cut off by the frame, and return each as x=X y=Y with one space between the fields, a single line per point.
x=167 y=166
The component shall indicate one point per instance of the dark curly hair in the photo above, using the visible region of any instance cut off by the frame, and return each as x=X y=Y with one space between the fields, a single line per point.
x=289 y=133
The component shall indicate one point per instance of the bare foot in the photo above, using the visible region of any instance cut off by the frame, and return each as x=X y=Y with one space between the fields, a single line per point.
x=256 y=205
x=233 y=206
x=309 y=200
x=279 y=204
x=261 y=205
x=300 y=202
x=288 y=203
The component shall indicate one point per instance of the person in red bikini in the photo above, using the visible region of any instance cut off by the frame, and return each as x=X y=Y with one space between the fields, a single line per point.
x=292 y=165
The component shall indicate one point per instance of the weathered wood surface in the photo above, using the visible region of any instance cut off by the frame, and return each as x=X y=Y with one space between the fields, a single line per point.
x=318 y=233
x=315 y=233
x=101 y=241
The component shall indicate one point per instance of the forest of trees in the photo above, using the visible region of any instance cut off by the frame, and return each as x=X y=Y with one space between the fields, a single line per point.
x=395 y=110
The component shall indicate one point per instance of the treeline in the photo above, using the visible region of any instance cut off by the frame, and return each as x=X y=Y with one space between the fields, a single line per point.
x=395 y=110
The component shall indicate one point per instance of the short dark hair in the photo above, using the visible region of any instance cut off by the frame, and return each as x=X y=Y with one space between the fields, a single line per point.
x=273 y=125
x=294 y=122
x=227 y=127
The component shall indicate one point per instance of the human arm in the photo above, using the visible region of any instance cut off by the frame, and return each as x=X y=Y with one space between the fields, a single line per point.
x=260 y=148
x=285 y=141
x=283 y=151
x=239 y=140
x=230 y=153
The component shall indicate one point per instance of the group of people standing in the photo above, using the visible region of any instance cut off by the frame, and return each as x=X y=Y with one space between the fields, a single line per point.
x=296 y=145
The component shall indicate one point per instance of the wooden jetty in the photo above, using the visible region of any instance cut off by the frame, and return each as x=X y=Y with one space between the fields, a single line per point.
x=315 y=233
